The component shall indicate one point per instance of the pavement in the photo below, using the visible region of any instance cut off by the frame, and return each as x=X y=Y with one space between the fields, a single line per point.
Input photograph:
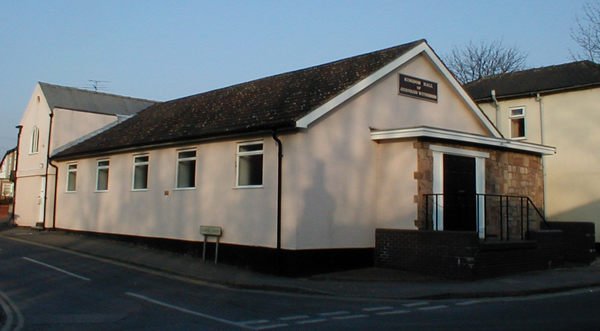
x=372 y=283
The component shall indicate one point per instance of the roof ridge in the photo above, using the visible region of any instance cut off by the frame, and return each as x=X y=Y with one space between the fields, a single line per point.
x=306 y=69
x=549 y=67
x=95 y=92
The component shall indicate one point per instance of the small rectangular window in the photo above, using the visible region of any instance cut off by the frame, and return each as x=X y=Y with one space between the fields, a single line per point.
x=72 y=178
x=140 y=172
x=250 y=164
x=186 y=169
x=35 y=140
x=517 y=123
x=102 y=175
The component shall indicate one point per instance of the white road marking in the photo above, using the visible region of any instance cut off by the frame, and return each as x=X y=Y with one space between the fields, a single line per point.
x=292 y=318
x=334 y=313
x=347 y=317
x=467 y=303
x=14 y=319
x=370 y=309
x=433 y=307
x=56 y=268
x=415 y=304
x=316 y=320
x=255 y=322
x=393 y=312
x=187 y=311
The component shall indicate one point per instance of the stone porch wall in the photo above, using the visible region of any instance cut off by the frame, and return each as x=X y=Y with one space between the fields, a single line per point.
x=507 y=173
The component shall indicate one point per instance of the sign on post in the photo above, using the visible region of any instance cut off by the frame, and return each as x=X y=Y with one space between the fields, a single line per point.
x=211 y=231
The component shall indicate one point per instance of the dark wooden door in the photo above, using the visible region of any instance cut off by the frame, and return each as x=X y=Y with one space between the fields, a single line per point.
x=459 y=193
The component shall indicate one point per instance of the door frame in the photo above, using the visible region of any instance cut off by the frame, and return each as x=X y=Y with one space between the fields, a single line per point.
x=438 y=152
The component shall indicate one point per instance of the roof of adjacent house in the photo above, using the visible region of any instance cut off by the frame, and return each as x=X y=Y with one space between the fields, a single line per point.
x=91 y=101
x=271 y=103
x=552 y=79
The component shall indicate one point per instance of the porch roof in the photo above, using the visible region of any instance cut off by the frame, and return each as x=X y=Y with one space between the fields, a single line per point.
x=437 y=133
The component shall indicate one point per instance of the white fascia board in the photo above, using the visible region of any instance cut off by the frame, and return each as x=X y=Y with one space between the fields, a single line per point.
x=459 y=89
x=314 y=115
x=462 y=137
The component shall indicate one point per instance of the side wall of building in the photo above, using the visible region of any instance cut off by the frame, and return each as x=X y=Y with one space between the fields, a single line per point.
x=71 y=125
x=570 y=121
x=247 y=215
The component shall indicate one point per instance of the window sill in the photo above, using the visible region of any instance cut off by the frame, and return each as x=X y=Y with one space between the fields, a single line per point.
x=518 y=138
x=139 y=190
x=100 y=191
x=248 y=187
x=184 y=188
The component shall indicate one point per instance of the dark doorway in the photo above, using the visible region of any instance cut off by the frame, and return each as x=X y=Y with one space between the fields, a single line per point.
x=459 y=193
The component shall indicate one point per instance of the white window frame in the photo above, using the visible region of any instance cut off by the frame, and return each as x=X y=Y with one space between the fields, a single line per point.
x=137 y=163
x=102 y=167
x=237 y=162
x=69 y=172
x=179 y=159
x=34 y=146
x=512 y=117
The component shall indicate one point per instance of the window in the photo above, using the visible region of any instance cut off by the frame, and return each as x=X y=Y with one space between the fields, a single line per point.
x=102 y=175
x=140 y=172
x=250 y=164
x=517 y=123
x=71 y=177
x=35 y=140
x=186 y=169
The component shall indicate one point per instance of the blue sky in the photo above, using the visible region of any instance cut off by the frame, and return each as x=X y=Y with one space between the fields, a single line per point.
x=168 y=49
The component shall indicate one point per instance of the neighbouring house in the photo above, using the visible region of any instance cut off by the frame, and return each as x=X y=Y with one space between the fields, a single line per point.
x=55 y=118
x=7 y=168
x=322 y=166
x=559 y=106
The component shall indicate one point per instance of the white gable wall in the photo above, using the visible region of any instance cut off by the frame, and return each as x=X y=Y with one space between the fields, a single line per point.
x=340 y=185
x=67 y=126
x=32 y=166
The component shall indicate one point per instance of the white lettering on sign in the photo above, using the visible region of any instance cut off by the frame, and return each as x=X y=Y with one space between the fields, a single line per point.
x=418 y=88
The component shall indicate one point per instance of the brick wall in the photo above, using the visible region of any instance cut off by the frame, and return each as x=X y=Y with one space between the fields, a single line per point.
x=461 y=255
x=579 y=240
x=447 y=254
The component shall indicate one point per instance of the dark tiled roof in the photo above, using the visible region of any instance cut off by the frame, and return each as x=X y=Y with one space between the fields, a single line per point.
x=274 y=102
x=90 y=101
x=556 y=78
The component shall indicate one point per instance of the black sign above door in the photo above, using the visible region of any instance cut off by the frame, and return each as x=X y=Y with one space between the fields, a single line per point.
x=418 y=88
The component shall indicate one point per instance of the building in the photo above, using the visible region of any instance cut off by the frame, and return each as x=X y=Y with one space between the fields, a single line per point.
x=55 y=118
x=558 y=106
x=7 y=168
x=306 y=165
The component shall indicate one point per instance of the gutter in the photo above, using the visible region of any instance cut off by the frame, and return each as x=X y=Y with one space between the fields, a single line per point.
x=48 y=163
x=20 y=128
x=538 y=98
x=534 y=93
x=497 y=106
x=279 y=180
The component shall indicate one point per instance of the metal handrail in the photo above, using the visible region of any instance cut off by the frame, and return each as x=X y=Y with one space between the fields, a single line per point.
x=504 y=218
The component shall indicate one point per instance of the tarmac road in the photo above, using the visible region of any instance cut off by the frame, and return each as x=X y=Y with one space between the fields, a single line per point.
x=56 y=290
